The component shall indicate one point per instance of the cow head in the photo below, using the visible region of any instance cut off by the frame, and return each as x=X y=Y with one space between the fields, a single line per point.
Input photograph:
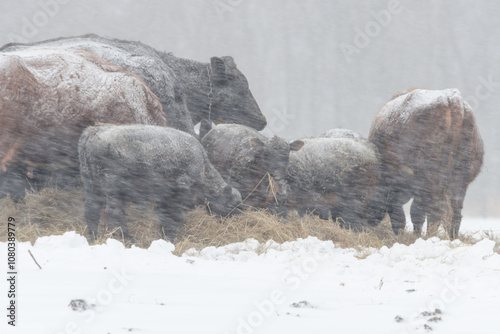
x=231 y=100
x=274 y=156
x=225 y=203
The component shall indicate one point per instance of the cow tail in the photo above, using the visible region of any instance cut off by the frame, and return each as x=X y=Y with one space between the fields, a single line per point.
x=471 y=146
x=453 y=120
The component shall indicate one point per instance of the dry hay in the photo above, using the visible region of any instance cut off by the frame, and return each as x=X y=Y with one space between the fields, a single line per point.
x=54 y=212
x=203 y=230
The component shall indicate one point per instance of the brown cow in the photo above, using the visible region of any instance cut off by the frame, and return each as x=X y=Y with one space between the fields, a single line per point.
x=430 y=150
x=49 y=96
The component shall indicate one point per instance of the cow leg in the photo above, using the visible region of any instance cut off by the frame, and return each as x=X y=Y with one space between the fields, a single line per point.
x=351 y=218
x=14 y=183
x=171 y=211
x=348 y=207
x=417 y=213
x=301 y=211
x=457 y=203
x=323 y=214
x=398 y=219
x=30 y=171
x=335 y=212
x=170 y=219
x=377 y=208
x=9 y=156
x=435 y=212
x=115 y=215
x=342 y=216
x=396 y=198
x=338 y=214
x=94 y=202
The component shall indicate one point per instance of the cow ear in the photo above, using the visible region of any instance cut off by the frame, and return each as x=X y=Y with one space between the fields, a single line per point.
x=296 y=145
x=205 y=127
x=218 y=70
x=227 y=192
x=256 y=143
x=229 y=61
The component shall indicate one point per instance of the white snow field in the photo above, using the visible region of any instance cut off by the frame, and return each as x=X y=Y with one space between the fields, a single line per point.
x=305 y=286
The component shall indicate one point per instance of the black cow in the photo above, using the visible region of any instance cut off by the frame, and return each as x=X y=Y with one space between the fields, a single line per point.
x=247 y=160
x=188 y=90
x=334 y=177
x=215 y=90
x=120 y=163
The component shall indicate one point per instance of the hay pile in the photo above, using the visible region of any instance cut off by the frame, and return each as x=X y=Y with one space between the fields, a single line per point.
x=54 y=212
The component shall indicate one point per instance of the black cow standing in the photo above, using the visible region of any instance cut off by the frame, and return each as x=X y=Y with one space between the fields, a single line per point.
x=216 y=90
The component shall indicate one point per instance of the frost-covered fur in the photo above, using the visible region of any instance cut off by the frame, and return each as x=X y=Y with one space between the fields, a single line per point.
x=334 y=177
x=139 y=162
x=340 y=133
x=48 y=96
x=243 y=157
x=217 y=90
x=430 y=150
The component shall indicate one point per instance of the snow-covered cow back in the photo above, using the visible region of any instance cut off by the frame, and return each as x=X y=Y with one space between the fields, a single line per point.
x=334 y=177
x=340 y=133
x=139 y=163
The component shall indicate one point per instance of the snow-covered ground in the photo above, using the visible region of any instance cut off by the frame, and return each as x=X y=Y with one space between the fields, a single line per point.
x=305 y=286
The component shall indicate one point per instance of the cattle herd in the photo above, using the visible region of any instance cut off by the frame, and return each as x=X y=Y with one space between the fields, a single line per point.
x=121 y=114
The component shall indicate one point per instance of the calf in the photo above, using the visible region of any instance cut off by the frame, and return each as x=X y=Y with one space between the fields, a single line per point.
x=250 y=162
x=340 y=133
x=334 y=177
x=430 y=151
x=140 y=162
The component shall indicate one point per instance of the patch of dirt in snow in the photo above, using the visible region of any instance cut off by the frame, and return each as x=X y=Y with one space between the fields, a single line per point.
x=302 y=304
x=80 y=305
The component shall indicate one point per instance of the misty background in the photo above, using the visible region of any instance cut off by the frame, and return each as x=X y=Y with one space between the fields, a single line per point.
x=312 y=65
